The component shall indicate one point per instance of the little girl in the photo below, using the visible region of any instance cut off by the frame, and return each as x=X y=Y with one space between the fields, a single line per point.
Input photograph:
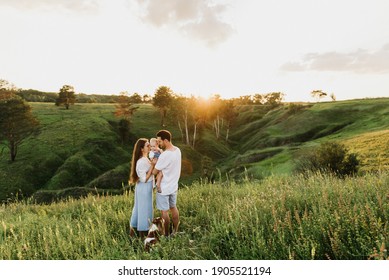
x=155 y=152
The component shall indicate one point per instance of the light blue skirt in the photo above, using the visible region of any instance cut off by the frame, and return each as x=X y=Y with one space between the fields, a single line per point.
x=142 y=213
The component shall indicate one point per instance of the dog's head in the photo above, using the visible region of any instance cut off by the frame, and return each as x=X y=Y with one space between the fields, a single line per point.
x=159 y=223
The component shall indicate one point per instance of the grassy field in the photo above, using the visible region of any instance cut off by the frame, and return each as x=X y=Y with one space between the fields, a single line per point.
x=79 y=150
x=281 y=217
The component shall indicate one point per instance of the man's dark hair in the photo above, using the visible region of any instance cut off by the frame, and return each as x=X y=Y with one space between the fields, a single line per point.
x=165 y=134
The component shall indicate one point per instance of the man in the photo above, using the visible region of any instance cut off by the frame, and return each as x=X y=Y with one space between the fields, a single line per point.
x=169 y=163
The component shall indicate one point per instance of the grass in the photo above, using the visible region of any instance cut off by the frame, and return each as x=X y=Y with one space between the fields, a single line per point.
x=280 y=217
x=373 y=148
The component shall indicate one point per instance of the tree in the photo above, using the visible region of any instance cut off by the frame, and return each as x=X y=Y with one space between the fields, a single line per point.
x=66 y=96
x=229 y=114
x=195 y=112
x=318 y=94
x=16 y=122
x=190 y=115
x=124 y=106
x=180 y=112
x=176 y=113
x=124 y=130
x=146 y=98
x=258 y=98
x=124 y=110
x=162 y=99
x=7 y=90
x=136 y=98
x=5 y=85
x=244 y=100
x=274 y=99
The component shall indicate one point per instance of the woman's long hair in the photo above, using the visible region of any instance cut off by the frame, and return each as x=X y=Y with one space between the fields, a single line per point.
x=136 y=155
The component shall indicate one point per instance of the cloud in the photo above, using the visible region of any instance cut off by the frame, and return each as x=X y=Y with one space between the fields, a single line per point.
x=74 y=5
x=199 y=19
x=360 y=61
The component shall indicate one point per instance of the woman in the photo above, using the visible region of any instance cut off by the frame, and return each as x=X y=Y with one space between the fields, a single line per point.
x=141 y=174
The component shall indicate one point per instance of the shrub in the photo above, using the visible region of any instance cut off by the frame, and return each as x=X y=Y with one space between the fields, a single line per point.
x=329 y=157
x=294 y=108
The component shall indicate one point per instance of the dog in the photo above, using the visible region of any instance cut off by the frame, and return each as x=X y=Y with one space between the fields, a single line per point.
x=157 y=229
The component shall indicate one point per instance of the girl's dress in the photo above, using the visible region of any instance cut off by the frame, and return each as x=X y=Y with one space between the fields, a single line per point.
x=142 y=212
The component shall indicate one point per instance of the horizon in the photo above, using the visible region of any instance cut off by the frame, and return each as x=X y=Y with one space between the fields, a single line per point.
x=201 y=48
x=312 y=99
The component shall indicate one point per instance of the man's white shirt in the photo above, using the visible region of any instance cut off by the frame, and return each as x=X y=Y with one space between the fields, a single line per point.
x=169 y=162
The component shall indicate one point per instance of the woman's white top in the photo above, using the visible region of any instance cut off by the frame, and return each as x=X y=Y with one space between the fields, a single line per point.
x=143 y=165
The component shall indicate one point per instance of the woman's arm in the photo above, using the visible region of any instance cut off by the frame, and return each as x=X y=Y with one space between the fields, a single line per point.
x=150 y=172
x=144 y=169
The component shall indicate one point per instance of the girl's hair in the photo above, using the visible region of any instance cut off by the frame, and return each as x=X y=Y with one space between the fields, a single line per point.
x=136 y=155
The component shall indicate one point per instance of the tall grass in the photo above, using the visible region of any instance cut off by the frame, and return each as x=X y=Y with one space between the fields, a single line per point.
x=315 y=217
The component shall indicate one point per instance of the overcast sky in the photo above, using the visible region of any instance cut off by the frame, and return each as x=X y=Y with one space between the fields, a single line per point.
x=198 y=47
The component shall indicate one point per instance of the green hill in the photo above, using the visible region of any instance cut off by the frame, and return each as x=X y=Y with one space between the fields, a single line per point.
x=78 y=150
x=268 y=142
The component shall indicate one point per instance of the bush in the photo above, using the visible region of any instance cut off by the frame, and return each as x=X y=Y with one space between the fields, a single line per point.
x=329 y=157
x=294 y=108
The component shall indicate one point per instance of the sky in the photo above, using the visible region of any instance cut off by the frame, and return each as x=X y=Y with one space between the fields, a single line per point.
x=198 y=47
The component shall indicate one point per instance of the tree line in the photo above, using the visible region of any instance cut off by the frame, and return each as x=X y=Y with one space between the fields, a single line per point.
x=32 y=95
